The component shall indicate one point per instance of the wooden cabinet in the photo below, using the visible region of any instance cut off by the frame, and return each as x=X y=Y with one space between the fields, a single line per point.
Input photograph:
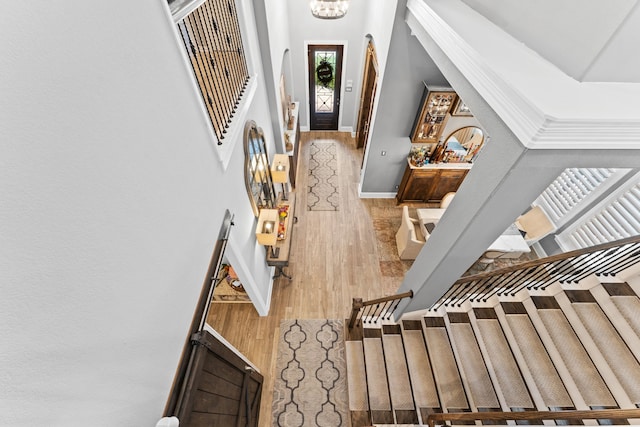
x=428 y=184
x=435 y=106
x=417 y=184
x=448 y=180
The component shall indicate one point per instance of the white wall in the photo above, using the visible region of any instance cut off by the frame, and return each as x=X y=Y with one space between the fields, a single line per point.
x=277 y=18
x=590 y=41
x=615 y=63
x=304 y=27
x=407 y=65
x=379 y=24
x=113 y=197
x=291 y=25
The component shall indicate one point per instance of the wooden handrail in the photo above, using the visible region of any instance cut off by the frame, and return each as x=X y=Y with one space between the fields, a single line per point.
x=605 y=259
x=553 y=258
x=387 y=299
x=600 y=414
x=389 y=304
x=199 y=316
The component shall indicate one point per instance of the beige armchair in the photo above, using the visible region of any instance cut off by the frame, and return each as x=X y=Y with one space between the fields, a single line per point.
x=411 y=236
x=444 y=203
x=535 y=224
x=433 y=215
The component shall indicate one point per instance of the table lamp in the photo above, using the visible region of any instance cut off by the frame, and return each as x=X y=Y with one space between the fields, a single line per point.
x=280 y=171
x=267 y=230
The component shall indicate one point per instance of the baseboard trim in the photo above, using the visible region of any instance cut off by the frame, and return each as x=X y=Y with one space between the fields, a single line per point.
x=376 y=195
x=348 y=129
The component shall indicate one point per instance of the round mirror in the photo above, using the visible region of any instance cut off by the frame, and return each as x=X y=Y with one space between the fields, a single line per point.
x=463 y=145
x=257 y=176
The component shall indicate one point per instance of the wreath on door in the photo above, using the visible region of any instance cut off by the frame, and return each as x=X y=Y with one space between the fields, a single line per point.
x=324 y=73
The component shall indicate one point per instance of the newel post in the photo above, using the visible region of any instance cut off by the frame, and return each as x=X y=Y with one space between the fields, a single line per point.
x=355 y=309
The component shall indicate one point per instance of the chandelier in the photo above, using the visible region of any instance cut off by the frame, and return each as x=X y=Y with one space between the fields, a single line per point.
x=329 y=9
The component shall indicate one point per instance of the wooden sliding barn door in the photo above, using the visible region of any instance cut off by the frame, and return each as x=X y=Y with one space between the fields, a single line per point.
x=369 y=85
x=214 y=385
x=221 y=389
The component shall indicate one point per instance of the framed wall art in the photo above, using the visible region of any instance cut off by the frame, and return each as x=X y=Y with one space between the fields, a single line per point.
x=461 y=109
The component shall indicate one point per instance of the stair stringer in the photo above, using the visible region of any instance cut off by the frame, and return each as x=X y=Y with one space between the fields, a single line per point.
x=536 y=396
x=487 y=361
x=602 y=365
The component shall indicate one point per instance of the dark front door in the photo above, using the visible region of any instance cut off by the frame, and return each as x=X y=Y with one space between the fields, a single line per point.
x=220 y=388
x=325 y=69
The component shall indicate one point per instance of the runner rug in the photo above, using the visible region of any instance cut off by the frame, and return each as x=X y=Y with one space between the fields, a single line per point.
x=310 y=387
x=323 y=192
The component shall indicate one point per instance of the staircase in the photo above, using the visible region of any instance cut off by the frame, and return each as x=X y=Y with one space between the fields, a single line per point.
x=570 y=345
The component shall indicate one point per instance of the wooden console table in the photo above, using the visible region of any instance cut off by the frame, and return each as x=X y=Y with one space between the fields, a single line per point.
x=284 y=245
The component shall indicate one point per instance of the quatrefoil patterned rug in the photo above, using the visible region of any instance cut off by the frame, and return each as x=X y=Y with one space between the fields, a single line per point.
x=323 y=194
x=310 y=387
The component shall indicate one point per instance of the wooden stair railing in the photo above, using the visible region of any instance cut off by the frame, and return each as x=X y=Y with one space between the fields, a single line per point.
x=375 y=309
x=606 y=259
x=600 y=414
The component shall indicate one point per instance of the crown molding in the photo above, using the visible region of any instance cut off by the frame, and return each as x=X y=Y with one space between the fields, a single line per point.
x=543 y=107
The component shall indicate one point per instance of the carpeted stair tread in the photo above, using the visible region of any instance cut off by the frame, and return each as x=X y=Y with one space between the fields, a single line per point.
x=612 y=347
x=444 y=365
x=424 y=388
x=547 y=380
x=356 y=377
x=592 y=387
x=629 y=307
x=397 y=373
x=377 y=384
x=506 y=369
x=480 y=388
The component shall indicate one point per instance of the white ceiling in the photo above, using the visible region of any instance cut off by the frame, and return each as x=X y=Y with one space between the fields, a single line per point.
x=588 y=40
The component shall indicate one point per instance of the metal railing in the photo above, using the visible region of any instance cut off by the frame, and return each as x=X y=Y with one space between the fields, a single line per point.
x=607 y=259
x=213 y=40
x=375 y=310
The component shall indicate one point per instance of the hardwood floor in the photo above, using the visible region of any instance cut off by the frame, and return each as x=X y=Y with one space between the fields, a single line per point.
x=335 y=257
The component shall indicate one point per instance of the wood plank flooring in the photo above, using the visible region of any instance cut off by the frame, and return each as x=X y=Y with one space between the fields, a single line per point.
x=334 y=258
